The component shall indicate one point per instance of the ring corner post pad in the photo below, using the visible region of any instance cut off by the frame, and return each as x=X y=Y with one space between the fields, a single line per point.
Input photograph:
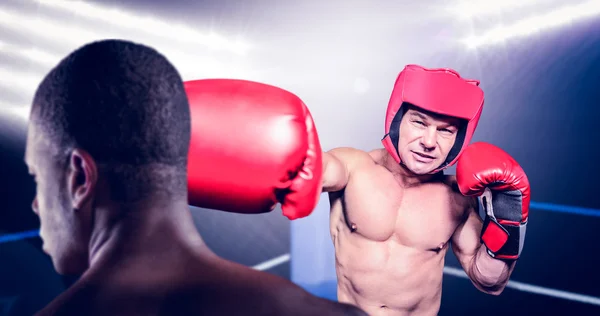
x=312 y=262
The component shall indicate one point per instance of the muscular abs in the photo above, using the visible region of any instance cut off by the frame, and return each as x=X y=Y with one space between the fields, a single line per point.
x=390 y=242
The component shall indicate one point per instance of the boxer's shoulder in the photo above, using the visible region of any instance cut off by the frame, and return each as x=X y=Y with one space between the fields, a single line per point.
x=77 y=300
x=352 y=157
x=450 y=181
x=350 y=153
x=293 y=300
x=464 y=203
x=273 y=295
x=378 y=154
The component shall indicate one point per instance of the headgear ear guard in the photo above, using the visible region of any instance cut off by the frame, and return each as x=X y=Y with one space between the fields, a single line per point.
x=441 y=91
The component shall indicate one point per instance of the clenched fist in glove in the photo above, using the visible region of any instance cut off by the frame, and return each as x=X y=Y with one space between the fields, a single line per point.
x=487 y=171
x=253 y=145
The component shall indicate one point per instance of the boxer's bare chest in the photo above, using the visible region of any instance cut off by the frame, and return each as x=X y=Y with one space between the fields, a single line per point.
x=375 y=207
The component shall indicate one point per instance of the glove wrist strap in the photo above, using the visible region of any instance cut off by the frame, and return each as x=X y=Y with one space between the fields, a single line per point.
x=503 y=239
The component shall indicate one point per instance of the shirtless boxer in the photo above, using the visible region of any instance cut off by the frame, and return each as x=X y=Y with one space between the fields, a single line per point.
x=394 y=213
x=107 y=145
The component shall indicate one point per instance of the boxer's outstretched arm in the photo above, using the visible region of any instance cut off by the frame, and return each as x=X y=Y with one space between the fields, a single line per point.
x=338 y=164
x=489 y=275
x=335 y=172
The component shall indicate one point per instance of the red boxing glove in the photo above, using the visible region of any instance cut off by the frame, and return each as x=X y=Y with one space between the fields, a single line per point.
x=484 y=169
x=253 y=145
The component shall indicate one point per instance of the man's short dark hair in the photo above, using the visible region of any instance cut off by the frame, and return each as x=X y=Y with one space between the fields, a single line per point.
x=125 y=104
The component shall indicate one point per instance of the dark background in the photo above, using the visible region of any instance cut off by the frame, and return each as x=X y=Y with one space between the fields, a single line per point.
x=342 y=57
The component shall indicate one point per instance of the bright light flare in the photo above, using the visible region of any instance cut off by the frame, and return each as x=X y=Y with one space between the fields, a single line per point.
x=18 y=111
x=32 y=54
x=20 y=81
x=554 y=18
x=76 y=35
x=153 y=26
x=467 y=9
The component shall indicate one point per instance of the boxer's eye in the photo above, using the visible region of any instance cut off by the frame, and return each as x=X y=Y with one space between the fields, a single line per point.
x=419 y=122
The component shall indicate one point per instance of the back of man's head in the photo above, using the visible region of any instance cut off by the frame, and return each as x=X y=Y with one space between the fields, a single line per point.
x=125 y=104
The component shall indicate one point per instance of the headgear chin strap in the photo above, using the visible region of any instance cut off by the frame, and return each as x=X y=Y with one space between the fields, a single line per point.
x=441 y=91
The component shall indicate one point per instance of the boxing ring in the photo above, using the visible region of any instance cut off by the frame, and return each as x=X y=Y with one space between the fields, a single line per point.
x=310 y=257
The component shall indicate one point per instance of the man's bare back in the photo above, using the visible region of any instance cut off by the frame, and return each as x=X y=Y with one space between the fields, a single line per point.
x=114 y=206
x=390 y=239
x=196 y=283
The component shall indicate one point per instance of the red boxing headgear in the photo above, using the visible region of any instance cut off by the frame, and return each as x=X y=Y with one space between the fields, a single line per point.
x=440 y=91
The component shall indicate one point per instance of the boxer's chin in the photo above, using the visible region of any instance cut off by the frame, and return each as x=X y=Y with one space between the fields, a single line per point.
x=420 y=169
x=68 y=266
x=45 y=248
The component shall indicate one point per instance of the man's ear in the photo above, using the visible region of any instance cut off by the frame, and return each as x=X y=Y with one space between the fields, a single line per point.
x=82 y=178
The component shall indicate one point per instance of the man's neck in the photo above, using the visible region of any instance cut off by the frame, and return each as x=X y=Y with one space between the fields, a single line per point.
x=149 y=228
x=404 y=176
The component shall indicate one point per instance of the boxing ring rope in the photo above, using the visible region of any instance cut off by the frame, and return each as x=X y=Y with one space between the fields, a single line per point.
x=315 y=271
x=456 y=272
x=540 y=206
x=535 y=289
x=551 y=207
x=19 y=236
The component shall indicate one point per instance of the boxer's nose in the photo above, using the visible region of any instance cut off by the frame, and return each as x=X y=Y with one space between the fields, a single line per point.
x=428 y=140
